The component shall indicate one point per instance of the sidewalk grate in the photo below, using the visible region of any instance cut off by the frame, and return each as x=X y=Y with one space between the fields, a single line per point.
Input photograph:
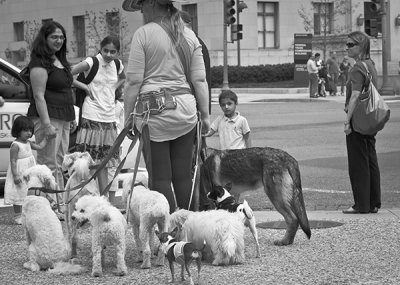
x=314 y=224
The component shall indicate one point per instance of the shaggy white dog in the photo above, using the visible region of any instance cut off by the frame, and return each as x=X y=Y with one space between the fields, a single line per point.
x=145 y=210
x=77 y=165
x=222 y=231
x=108 y=229
x=40 y=176
x=47 y=246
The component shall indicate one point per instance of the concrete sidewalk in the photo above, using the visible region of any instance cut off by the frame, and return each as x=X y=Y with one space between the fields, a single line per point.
x=257 y=95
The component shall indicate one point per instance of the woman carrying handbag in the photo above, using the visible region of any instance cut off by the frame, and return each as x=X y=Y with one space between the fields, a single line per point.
x=362 y=159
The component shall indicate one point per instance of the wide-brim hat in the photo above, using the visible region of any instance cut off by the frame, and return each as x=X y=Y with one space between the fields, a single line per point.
x=136 y=5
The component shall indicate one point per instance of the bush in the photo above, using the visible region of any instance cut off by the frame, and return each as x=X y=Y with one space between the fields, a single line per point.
x=253 y=73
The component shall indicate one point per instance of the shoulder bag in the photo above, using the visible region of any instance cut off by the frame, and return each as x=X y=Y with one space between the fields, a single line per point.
x=371 y=112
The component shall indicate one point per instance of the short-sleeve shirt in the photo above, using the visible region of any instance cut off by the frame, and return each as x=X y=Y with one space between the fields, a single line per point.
x=231 y=131
x=154 y=56
x=357 y=77
x=58 y=93
x=333 y=66
x=102 y=107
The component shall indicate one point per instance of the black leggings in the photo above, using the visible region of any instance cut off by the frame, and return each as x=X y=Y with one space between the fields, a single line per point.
x=171 y=162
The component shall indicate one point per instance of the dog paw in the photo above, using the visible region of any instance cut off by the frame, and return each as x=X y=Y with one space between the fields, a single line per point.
x=120 y=272
x=282 y=242
x=97 y=274
x=32 y=266
x=145 y=266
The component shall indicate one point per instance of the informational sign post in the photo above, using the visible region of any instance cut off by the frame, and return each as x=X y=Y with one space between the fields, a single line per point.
x=302 y=49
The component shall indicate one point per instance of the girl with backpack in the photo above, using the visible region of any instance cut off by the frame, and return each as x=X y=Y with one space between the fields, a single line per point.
x=97 y=127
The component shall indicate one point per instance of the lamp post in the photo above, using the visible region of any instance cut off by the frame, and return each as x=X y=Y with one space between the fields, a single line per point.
x=240 y=6
x=386 y=89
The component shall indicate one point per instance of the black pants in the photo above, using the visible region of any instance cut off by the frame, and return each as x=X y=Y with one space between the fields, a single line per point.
x=171 y=162
x=363 y=171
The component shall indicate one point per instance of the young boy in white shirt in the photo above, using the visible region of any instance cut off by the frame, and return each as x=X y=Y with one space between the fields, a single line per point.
x=233 y=129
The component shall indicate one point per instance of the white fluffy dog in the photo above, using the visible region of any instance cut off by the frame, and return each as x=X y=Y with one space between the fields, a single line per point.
x=222 y=231
x=40 y=176
x=108 y=229
x=77 y=165
x=47 y=246
x=145 y=210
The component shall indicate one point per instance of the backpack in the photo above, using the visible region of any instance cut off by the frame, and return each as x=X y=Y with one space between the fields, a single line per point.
x=81 y=94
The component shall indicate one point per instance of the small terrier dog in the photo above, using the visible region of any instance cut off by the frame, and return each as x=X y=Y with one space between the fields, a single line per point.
x=180 y=252
x=225 y=201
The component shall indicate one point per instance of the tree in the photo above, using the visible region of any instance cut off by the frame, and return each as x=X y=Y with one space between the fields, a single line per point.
x=31 y=29
x=104 y=23
x=321 y=18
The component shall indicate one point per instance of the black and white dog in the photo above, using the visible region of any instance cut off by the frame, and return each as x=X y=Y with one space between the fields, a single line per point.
x=225 y=201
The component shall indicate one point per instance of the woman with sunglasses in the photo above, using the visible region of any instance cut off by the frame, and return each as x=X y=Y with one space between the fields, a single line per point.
x=52 y=107
x=362 y=159
x=154 y=65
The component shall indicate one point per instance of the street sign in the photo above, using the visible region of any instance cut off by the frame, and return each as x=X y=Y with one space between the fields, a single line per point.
x=302 y=50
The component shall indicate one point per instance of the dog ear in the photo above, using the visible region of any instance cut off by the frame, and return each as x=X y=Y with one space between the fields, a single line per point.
x=174 y=232
x=26 y=178
x=157 y=233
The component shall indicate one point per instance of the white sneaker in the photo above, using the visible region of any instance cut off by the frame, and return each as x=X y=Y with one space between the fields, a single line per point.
x=18 y=220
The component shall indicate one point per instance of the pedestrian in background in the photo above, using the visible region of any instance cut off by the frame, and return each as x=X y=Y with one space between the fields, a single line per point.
x=154 y=70
x=52 y=105
x=361 y=153
x=21 y=158
x=322 y=78
x=98 y=129
x=233 y=129
x=313 y=74
x=333 y=73
x=343 y=74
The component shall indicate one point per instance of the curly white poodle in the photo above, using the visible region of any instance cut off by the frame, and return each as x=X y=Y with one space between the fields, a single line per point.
x=47 y=246
x=145 y=210
x=108 y=229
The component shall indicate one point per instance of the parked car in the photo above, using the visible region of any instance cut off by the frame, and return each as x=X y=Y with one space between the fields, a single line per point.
x=16 y=94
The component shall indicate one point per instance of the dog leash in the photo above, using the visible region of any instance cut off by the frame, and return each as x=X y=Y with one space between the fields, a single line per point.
x=103 y=163
x=144 y=130
x=196 y=177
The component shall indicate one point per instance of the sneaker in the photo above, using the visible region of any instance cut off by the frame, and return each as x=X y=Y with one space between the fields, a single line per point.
x=18 y=220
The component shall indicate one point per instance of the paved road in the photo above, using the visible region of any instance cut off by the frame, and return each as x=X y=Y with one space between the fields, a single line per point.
x=312 y=131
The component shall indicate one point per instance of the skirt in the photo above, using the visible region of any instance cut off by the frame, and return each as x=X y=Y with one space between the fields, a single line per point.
x=97 y=138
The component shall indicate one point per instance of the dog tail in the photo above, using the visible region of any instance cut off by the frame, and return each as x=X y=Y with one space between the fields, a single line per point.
x=248 y=212
x=298 y=199
x=197 y=252
x=67 y=268
x=300 y=210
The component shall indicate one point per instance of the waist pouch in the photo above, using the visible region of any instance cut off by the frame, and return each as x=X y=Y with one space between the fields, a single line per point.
x=157 y=102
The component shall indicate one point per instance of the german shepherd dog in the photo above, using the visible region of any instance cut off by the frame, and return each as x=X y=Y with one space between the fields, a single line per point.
x=252 y=168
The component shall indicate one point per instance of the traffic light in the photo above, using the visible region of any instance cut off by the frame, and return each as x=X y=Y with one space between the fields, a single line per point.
x=372 y=18
x=376 y=6
x=236 y=32
x=229 y=11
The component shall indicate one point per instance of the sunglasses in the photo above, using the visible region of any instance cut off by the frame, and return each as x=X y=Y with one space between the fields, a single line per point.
x=350 y=45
